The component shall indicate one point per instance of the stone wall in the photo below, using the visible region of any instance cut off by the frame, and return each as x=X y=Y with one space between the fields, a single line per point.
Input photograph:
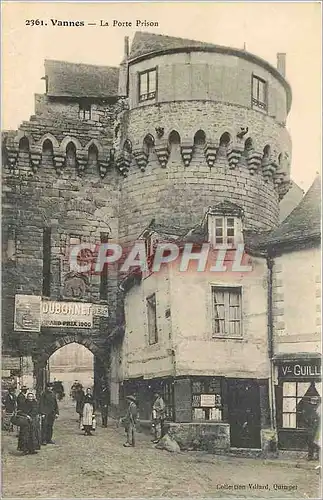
x=42 y=188
x=179 y=189
x=297 y=301
x=211 y=437
x=208 y=76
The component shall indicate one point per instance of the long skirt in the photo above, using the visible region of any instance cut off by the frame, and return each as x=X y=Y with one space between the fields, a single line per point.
x=87 y=414
x=28 y=439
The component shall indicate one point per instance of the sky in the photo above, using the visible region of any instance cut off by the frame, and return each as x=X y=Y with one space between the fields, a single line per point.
x=265 y=28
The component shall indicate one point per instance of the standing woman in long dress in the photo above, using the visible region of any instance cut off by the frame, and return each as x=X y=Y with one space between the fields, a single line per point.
x=29 y=435
x=88 y=409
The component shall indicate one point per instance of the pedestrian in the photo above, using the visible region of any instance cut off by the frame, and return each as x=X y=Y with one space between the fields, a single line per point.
x=29 y=434
x=312 y=421
x=79 y=396
x=49 y=411
x=130 y=421
x=158 y=417
x=104 y=404
x=88 y=412
x=10 y=406
x=21 y=398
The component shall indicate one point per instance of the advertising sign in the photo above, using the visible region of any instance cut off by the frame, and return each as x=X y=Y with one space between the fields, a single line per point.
x=301 y=370
x=66 y=314
x=27 y=313
x=208 y=400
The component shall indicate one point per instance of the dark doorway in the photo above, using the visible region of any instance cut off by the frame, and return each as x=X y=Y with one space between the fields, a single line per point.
x=244 y=413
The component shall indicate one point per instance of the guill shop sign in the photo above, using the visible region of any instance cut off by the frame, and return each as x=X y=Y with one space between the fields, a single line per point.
x=301 y=370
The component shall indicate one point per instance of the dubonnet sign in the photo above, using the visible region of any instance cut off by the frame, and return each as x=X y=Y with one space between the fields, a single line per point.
x=67 y=314
x=32 y=312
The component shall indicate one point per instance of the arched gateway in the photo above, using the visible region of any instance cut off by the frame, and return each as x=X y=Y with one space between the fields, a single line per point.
x=40 y=360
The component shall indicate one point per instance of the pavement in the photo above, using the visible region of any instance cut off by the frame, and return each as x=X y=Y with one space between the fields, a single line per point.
x=98 y=466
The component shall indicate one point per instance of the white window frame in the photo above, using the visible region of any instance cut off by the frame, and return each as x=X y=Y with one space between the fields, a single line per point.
x=226 y=289
x=226 y=239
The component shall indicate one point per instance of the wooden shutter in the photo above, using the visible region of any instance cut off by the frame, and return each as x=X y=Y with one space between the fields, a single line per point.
x=183 y=400
x=224 y=395
x=264 y=403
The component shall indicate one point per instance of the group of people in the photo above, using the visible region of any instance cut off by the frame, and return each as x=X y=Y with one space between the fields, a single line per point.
x=34 y=418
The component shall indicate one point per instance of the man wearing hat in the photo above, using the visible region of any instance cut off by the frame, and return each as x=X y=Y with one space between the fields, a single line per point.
x=130 y=421
x=48 y=408
x=21 y=398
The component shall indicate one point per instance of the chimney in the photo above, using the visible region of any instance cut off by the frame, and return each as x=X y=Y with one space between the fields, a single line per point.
x=126 y=47
x=281 y=63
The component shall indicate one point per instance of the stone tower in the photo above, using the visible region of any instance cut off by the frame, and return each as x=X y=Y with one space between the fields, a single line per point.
x=204 y=124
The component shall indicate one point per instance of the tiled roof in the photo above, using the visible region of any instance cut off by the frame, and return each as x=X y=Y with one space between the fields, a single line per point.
x=145 y=43
x=67 y=79
x=304 y=222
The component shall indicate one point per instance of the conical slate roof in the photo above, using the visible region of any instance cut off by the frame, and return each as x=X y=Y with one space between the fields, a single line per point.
x=304 y=222
x=145 y=43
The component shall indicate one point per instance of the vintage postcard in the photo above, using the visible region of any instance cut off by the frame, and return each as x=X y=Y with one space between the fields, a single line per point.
x=161 y=249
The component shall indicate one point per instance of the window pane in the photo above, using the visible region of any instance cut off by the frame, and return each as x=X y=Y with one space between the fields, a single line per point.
x=143 y=84
x=230 y=222
x=230 y=240
x=230 y=231
x=289 y=420
x=234 y=299
x=318 y=387
x=218 y=297
x=219 y=222
x=289 y=405
x=219 y=231
x=255 y=88
x=152 y=81
x=262 y=90
x=302 y=387
x=289 y=389
x=219 y=326
x=219 y=240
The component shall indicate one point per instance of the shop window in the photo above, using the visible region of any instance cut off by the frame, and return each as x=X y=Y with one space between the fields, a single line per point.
x=147 y=85
x=259 y=92
x=152 y=319
x=226 y=312
x=207 y=401
x=296 y=401
x=84 y=111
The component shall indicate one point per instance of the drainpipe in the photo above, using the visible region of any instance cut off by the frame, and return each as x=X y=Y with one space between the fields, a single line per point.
x=270 y=335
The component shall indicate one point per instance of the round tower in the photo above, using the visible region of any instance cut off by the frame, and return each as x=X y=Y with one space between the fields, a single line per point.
x=204 y=124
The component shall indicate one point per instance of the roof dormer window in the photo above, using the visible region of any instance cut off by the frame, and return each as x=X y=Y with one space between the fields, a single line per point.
x=225 y=225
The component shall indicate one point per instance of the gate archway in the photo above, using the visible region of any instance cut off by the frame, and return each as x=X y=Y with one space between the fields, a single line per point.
x=41 y=360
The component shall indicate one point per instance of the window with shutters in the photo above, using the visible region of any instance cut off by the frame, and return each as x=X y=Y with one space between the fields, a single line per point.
x=227 y=315
x=152 y=319
x=147 y=85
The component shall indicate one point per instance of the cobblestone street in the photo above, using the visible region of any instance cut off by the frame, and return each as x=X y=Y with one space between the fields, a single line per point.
x=100 y=467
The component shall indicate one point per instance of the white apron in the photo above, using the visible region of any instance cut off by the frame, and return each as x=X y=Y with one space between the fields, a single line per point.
x=87 y=414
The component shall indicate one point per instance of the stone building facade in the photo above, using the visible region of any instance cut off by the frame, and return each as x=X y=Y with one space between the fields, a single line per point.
x=184 y=142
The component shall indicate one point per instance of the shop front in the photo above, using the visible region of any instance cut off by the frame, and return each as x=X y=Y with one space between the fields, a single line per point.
x=299 y=379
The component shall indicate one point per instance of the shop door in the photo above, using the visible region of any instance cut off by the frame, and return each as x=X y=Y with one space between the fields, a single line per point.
x=244 y=413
